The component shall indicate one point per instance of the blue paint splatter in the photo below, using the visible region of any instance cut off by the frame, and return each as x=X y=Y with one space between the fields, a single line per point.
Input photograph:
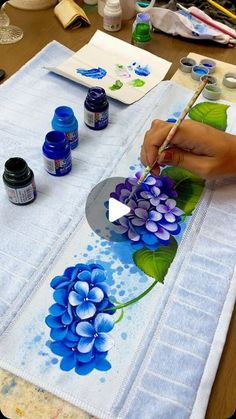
x=102 y=379
x=54 y=361
x=142 y=70
x=93 y=73
x=124 y=335
x=37 y=338
x=89 y=248
x=132 y=167
x=6 y=389
x=121 y=293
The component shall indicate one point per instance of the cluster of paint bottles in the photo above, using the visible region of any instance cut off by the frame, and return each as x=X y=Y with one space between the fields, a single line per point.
x=18 y=178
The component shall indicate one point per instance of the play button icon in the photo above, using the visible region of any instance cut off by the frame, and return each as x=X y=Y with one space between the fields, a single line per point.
x=102 y=210
x=116 y=210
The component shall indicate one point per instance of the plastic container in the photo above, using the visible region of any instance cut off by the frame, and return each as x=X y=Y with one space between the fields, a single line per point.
x=96 y=109
x=141 y=36
x=65 y=121
x=19 y=182
x=112 y=16
x=57 y=154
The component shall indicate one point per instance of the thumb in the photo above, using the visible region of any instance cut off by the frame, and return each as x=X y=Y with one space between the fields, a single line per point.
x=187 y=160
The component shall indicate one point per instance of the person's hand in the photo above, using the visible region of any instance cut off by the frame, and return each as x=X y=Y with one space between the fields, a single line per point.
x=201 y=149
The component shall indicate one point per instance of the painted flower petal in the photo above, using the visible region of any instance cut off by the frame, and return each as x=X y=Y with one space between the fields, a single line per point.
x=82 y=288
x=68 y=271
x=162 y=234
x=85 y=310
x=155 y=201
x=98 y=275
x=84 y=358
x=103 y=342
x=53 y=322
x=149 y=238
x=84 y=276
x=137 y=221
x=57 y=310
x=150 y=180
x=146 y=195
x=169 y=217
x=85 y=345
x=102 y=365
x=78 y=268
x=133 y=235
x=58 y=280
x=104 y=287
x=85 y=329
x=66 y=318
x=154 y=216
x=177 y=211
x=171 y=203
x=103 y=323
x=141 y=213
x=162 y=208
x=172 y=227
x=120 y=229
x=124 y=221
x=144 y=204
x=59 y=349
x=69 y=343
x=95 y=295
x=71 y=336
x=151 y=226
x=75 y=298
x=84 y=369
x=58 y=334
x=156 y=191
x=68 y=363
x=61 y=297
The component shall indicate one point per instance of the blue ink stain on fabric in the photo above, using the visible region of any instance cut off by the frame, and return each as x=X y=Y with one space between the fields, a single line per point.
x=124 y=335
x=89 y=248
x=102 y=379
x=142 y=70
x=93 y=73
x=37 y=338
x=121 y=293
x=6 y=389
x=48 y=344
x=132 y=167
x=54 y=361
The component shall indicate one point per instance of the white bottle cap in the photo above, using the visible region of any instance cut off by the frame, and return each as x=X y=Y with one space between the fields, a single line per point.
x=112 y=5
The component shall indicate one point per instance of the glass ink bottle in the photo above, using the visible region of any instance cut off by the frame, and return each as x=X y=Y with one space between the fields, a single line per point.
x=19 y=181
x=65 y=121
x=96 y=108
x=57 y=154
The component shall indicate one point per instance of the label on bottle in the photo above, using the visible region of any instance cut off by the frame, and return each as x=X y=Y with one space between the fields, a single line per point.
x=73 y=138
x=58 y=167
x=112 y=23
x=96 y=120
x=21 y=195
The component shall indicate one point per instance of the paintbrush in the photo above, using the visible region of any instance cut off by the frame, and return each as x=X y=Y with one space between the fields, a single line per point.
x=169 y=137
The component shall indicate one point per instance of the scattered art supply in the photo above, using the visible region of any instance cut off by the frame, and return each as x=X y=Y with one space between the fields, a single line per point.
x=122 y=71
x=229 y=80
x=96 y=109
x=117 y=85
x=2 y=74
x=186 y=64
x=211 y=92
x=19 y=181
x=209 y=64
x=137 y=83
x=112 y=16
x=198 y=71
x=141 y=36
x=93 y=73
x=210 y=80
x=142 y=18
x=65 y=121
x=222 y=9
x=57 y=154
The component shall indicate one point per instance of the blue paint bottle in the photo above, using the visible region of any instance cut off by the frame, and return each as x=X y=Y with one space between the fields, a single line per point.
x=65 y=121
x=57 y=154
x=96 y=108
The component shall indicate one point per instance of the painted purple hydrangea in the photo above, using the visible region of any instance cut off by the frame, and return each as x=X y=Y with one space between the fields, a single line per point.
x=154 y=217
x=81 y=318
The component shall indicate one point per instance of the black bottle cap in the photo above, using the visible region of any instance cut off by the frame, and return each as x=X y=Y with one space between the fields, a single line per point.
x=2 y=74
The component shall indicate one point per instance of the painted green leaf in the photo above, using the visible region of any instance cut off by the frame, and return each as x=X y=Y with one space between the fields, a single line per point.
x=156 y=263
x=213 y=114
x=188 y=186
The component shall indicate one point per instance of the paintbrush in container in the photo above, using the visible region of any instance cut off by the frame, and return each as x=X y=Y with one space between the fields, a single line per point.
x=169 y=137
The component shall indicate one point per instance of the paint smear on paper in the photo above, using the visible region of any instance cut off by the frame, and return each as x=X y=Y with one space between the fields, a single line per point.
x=6 y=389
x=93 y=73
x=122 y=71
x=116 y=86
x=141 y=70
x=137 y=83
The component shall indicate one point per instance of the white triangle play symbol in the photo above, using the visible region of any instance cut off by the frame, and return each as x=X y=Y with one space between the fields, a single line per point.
x=116 y=210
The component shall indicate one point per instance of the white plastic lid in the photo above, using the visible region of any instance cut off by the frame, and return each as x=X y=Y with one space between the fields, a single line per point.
x=113 y=5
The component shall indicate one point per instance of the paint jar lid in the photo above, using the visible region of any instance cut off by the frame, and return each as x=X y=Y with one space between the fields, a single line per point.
x=186 y=64
x=17 y=172
x=229 y=80
x=64 y=114
x=112 y=6
x=211 y=92
x=210 y=80
x=96 y=95
x=209 y=64
x=198 y=71
x=142 y=32
x=143 y=17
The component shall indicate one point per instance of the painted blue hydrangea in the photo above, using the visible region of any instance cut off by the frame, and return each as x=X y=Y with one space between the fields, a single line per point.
x=154 y=217
x=81 y=319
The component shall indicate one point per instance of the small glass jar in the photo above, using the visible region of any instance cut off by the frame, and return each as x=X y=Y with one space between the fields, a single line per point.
x=141 y=36
x=96 y=108
x=57 y=154
x=65 y=121
x=19 y=181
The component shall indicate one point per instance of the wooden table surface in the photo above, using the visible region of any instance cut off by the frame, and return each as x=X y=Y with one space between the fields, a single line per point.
x=40 y=27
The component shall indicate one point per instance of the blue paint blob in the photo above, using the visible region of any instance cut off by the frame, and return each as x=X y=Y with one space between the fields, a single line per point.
x=200 y=70
x=129 y=317
x=118 y=286
x=37 y=338
x=121 y=293
x=48 y=343
x=85 y=255
x=89 y=248
x=124 y=335
x=102 y=379
x=93 y=73
x=75 y=256
x=171 y=120
x=6 y=389
x=142 y=70
x=132 y=167
x=133 y=270
x=54 y=361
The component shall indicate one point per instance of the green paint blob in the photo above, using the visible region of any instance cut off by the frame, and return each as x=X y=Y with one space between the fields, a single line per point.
x=137 y=83
x=116 y=86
